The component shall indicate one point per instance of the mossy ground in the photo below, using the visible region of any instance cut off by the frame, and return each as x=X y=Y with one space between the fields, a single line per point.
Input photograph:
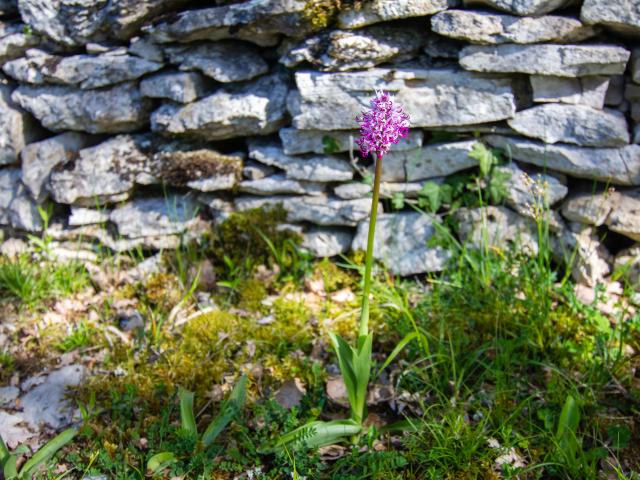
x=506 y=342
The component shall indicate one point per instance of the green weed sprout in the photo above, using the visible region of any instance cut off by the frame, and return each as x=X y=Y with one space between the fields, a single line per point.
x=229 y=409
x=9 y=461
x=384 y=124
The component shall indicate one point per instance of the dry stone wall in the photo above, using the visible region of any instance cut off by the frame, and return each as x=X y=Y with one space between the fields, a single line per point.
x=146 y=121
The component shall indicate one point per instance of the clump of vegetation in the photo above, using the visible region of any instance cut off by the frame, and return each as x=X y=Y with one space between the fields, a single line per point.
x=241 y=239
x=31 y=281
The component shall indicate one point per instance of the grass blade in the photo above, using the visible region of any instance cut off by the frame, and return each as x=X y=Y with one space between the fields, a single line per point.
x=187 y=416
x=396 y=351
x=345 y=355
x=229 y=409
x=566 y=435
x=362 y=370
x=46 y=452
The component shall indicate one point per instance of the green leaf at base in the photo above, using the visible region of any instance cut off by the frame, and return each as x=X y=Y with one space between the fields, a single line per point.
x=160 y=461
x=229 y=409
x=187 y=416
x=319 y=434
x=46 y=452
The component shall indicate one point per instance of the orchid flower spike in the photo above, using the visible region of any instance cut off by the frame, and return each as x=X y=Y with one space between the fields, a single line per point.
x=384 y=124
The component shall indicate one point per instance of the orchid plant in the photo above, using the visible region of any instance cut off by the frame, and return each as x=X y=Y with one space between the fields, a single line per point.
x=384 y=124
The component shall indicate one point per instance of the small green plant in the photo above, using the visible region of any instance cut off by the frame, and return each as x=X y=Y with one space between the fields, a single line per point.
x=81 y=335
x=9 y=461
x=293 y=263
x=32 y=282
x=569 y=449
x=355 y=361
x=19 y=279
x=330 y=145
x=42 y=244
x=6 y=365
x=229 y=409
x=235 y=274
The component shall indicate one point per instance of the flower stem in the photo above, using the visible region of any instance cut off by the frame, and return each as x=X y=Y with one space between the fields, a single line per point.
x=364 y=315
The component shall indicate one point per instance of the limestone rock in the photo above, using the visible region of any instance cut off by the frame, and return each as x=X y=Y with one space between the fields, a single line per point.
x=296 y=141
x=622 y=16
x=628 y=260
x=437 y=97
x=155 y=216
x=577 y=124
x=310 y=168
x=376 y=11
x=280 y=184
x=401 y=243
x=46 y=404
x=625 y=216
x=8 y=395
x=75 y=22
x=589 y=259
x=108 y=172
x=114 y=110
x=14 y=44
x=256 y=170
x=342 y=50
x=225 y=61
x=195 y=229
x=492 y=29
x=254 y=109
x=588 y=208
x=85 y=71
x=590 y=91
x=432 y=161
x=350 y=191
x=144 y=47
x=257 y=21
x=181 y=87
x=327 y=242
x=87 y=216
x=197 y=168
x=522 y=7
x=17 y=208
x=528 y=194
x=17 y=128
x=555 y=60
x=499 y=226
x=12 y=248
x=408 y=190
x=615 y=165
x=320 y=210
x=40 y=158
x=13 y=433
x=97 y=175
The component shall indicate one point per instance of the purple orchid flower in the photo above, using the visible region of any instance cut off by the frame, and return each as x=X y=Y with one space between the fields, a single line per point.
x=381 y=126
